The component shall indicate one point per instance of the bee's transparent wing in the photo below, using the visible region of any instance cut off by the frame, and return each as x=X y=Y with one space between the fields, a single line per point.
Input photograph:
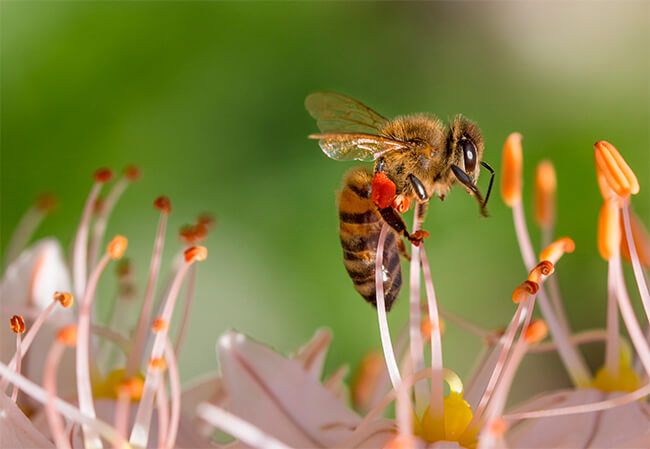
x=337 y=113
x=355 y=146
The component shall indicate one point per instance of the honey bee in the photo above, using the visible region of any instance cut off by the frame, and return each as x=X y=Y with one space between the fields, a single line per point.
x=416 y=157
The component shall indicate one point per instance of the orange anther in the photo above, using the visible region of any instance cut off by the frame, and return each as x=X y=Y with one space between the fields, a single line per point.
x=426 y=327
x=66 y=299
x=47 y=202
x=383 y=190
x=536 y=332
x=366 y=379
x=100 y=202
x=498 y=427
x=605 y=190
x=132 y=172
x=400 y=441
x=196 y=254
x=609 y=228
x=524 y=290
x=641 y=240
x=545 y=186
x=206 y=220
x=103 y=175
x=117 y=246
x=556 y=249
x=544 y=268
x=401 y=203
x=17 y=324
x=511 y=170
x=67 y=335
x=133 y=387
x=163 y=204
x=158 y=363
x=613 y=167
x=200 y=233
x=187 y=234
x=124 y=268
x=159 y=325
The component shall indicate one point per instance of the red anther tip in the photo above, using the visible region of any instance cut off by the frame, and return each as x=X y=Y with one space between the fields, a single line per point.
x=66 y=299
x=117 y=246
x=17 y=324
x=68 y=335
x=383 y=190
x=196 y=254
x=132 y=172
x=47 y=202
x=103 y=175
x=159 y=324
x=158 y=363
x=163 y=204
x=524 y=290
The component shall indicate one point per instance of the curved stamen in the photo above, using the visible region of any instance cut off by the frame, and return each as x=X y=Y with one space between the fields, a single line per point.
x=636 y=263
x=175 y=388
x=415 y=338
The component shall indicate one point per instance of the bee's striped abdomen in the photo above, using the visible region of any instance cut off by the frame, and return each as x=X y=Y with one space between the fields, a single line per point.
x=360 y=224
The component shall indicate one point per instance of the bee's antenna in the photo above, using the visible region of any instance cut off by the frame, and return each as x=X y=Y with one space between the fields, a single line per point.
x=467 y=182
x=487 y=197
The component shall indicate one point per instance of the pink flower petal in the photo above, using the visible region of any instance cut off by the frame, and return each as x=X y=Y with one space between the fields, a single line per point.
x=16 y=430
x=313 y=354
x=621 y=427
x=279 y=397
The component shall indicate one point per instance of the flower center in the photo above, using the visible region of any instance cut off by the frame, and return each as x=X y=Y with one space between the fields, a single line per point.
x=626 y=380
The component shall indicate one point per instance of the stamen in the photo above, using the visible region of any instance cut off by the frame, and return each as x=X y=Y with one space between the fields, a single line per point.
x=640 y=238
x=65 y=299
x=159 y=325
x=384 y=332
x=536 y=332
x=123 y=409
x=175 y=390
x=140 y=431
x=18 y=327
x=117 y=246
x=163 y=204
x=366 y=379
x=206 y=220
x=636 y=263
x=66 y=337
x=187 y=309
x=541 y=271
x=238 y=428
x=17 y=324
x=545 y=186
x=524 y=290
x=427 y=327
x=28 y=225
x=511 y=170
x=81 y=239
x=618 y=174
x=609 y=231
x=163 y=411
x=612 y=342
x=555 y=250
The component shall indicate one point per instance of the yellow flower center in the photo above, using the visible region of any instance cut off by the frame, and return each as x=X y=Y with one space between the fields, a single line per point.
x=626 y=379
x=457 y=416
x=109 y=387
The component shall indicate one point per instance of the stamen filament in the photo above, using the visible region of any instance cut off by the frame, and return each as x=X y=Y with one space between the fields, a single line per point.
x=163 y=411
x=135 y=357
x=238 y=428
x=612 y=349
x=636 y=264
x=79 y=253
x=415 y=337
x=122 y=412
x=175 y=389
x=187 y=309
x=436 y=407
x=19 y=357
x=49 y=383
x=384 y=332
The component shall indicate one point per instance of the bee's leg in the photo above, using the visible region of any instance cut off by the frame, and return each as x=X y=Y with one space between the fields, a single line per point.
x=394 y=220
x=401 y=247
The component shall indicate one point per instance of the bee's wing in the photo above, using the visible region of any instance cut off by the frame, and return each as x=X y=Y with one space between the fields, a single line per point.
x=337 y=113
x=355 y=146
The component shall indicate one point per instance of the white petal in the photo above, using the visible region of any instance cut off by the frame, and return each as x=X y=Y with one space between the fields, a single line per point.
x=620 y=427
x=279 y=397
x=16 y=430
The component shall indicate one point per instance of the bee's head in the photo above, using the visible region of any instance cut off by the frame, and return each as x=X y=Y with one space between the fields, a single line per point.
x=465 y=146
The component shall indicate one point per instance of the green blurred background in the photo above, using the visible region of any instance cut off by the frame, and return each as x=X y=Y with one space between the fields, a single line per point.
x=207 y=98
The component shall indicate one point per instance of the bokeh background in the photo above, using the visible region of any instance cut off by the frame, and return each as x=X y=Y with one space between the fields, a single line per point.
x=207 y=98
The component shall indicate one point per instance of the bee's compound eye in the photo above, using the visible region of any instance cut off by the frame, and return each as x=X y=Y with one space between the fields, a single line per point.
x=469 y=150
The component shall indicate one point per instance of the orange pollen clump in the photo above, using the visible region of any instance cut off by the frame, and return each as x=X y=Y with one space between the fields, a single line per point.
x=133 y=386
x=544 y=268
x=196 y=254
x=163 y=204
x=536 y=332
x=117 y=246
x=609 y=228
x=66 y=299
x=401 y=203
x=511 y=170
x=103 y=175
x=524 y=290
x=555 y=250
x=17 y=324
x=383 y=190
x=132 y=172
x=612 y=166
x=400 y=442
x=67 y=336
x=158 y=363
x=159 y=325
x=498 y=427
x=545 y=185
x=46 y=202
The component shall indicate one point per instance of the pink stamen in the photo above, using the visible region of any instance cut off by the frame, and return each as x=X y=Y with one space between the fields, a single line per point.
x=145 y=313
x=175 y=389
x=384 y=332
x=84 y=389
x=81 y=240
x=163 y=412
x=19 y=357
x=612 y=346
x=636 y=263
x=580 y=338
x=57 y=428
x=467 y=325
x=238 y=428
x=122 y=411
x=187 y=310
x=404 y=409
x=24 y=231
x=436 y=407
x=415 y=336
x=629 y=318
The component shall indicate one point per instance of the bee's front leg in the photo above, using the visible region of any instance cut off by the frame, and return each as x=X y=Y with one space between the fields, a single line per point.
x=394 y=220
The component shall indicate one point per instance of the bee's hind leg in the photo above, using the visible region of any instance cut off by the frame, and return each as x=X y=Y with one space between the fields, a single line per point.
x=401 y=247
x=394 y=220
